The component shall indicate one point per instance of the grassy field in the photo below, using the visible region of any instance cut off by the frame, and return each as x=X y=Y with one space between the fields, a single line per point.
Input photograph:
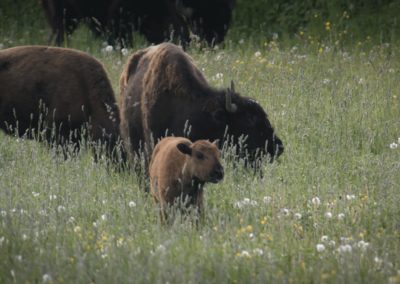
x=327 y=212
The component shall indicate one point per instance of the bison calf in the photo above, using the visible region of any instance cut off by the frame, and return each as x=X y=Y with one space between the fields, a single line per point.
x=54 y=93
x=179 y=169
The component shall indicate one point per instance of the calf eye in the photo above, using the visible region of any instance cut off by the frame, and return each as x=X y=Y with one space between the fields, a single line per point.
x=199 y=156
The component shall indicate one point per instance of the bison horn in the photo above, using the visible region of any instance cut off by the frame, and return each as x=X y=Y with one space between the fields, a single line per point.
x=230 y=107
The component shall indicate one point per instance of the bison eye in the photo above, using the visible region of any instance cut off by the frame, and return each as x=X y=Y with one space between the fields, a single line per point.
x=200 y=156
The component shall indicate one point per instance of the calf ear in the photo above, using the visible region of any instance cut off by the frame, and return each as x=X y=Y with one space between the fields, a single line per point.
x=184 y=148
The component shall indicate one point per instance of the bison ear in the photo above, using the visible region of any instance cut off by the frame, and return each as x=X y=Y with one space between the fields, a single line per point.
x=184 y=148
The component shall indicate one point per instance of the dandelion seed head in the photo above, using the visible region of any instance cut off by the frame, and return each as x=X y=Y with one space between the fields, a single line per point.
x=345 y=248
x=258 y=251
x=132 y=204
x=324 y=238
x=393 y=145
x=46 y=278
x=257 y=54
x=341 y=216
x=350 y=196
x=362 y=245
x=328 y=215
x=297 y=216
x=104 y=217
x=320 y=247
x=267 y=199
x=60 y=208
x=316 y=201
x=124 y=51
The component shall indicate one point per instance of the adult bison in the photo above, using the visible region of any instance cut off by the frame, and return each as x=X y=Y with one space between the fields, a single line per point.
x=209 y=19
x=55 y=93
x=157 y=20
x=163 y=92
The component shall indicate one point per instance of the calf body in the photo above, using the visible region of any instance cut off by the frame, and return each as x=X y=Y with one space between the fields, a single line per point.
x=55 y=92
x=179 y=169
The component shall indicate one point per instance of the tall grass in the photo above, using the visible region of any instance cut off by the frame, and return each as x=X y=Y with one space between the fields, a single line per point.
x=327 y=211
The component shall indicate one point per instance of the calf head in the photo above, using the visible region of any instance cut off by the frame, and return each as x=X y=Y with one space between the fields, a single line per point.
x=203 y=161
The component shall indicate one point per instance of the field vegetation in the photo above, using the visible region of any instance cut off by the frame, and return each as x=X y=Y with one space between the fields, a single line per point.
x=326 y=212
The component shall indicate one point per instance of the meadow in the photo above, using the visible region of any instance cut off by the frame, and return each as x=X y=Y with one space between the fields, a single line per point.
x=326 y=212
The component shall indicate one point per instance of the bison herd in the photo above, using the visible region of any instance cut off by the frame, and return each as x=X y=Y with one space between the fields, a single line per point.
x=157 y=20
x=65 y=96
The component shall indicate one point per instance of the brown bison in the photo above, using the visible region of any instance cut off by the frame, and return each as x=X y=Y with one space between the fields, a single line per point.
x=157 y=20
x=179 y=169
x=164 y=93
x=54 y=93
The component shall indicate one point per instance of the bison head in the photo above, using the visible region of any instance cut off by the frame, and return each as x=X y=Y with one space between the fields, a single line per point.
x=248 y=124
x=203 y=161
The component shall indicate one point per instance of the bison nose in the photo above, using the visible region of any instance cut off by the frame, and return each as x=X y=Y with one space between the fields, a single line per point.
x=217 y=174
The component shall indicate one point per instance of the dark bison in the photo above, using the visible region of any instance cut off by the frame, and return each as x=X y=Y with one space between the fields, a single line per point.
x=157 y=20
x=164 y=93
x=209 y=19
x=54 y=93
x=179 y=169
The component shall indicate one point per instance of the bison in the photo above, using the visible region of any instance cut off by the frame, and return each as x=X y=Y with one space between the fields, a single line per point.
x=54 y=93
x=157 y=20
x=179 y=169
x=162 y=91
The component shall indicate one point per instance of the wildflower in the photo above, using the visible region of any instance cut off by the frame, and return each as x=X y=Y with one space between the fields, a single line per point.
x=109 y=49
x=320 y=247
x=19 y=257
x=95 y=224
x=77 y=229
x=361 y=81
x=60 y=208
x=324 y=238
x=316 y=201
x=124 y=51
x=340 y=216
x=350 y=196
x=363 y=245
x=132 y=204
x=328 y=26
x=251 y=235
x=104 y=201
x=345 y=248
x=378 y=260
x=258 y=251
x=53 y=197
x=219 y=76
x=328 y=215
x=46 y=278
x=267 y=199
x=104 y=217
x=394 y=145
x=35 y=194
x=326 y=81
x=285 y=211
x=297 y=216
x=161 y=248
x=24 y=237
x=257 y=54
x=71 y=219
x=331 y=243
x=244 y=253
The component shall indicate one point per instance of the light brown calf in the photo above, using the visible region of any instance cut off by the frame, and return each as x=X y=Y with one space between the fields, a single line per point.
x=179 y=169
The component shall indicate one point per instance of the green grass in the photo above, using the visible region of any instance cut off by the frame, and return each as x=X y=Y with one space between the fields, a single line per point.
x=337 y=110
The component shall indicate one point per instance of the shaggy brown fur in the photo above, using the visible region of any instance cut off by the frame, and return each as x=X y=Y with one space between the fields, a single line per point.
x=162 y=91
x=56 y=89
x=179 y=169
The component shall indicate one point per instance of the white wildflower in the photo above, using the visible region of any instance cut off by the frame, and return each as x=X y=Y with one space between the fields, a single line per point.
x=320 y=247
x=132 y=204
x=19 y=257
x=46 y=278
x=161 y=248
x=324 y=238
x=285 y=211
x=35 y=194
x=219 y=76
x=104 y=201
x=326 y=81
x=109 y=49
x=244 y=253
x=391 y=70
x=332 y=243
x=77 y=229
x=361 y=81
x=378 y=260
x=257 y=54
x=267 y=199
x=363 y=245
x=328 y=215
x=316 y=201
x=24 y=237
x=350 y=196
x=53 y=197
x=95 y=225
x=104 y=217
x=124 y=51
x=341 y=216
x=60 y=208
x=393 y=145
x=251 y=235
x=345 y=248
x=297 y=216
